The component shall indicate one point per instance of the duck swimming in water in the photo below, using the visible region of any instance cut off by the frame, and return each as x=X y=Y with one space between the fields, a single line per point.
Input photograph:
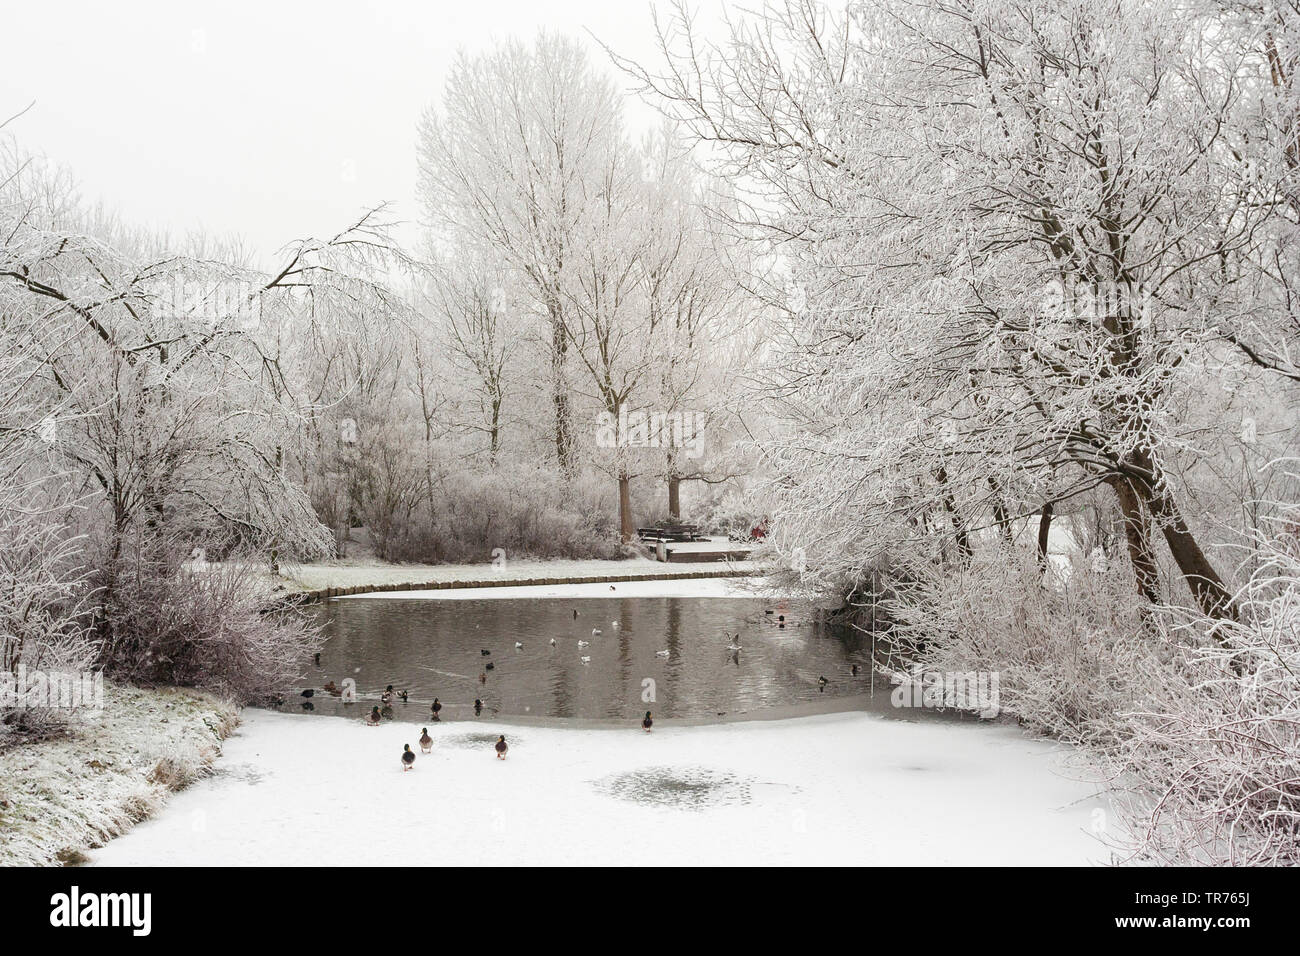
x=408 y=757
x=502 y=747
x=647 y=722
x=478 y=706
x=491 y=666
x=821 y=684
x=426 y=742
x=402 y=696
x=483 y=653
x=373 y=718
x=332 y=688
x=387 y=696
x=435 y=708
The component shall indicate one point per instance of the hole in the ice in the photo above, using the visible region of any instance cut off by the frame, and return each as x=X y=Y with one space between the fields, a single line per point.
x=689 y=788
x=474 y=741
x=241 y=773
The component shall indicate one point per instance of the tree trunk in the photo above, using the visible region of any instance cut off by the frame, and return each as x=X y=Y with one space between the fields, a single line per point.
x=1212 y=596
x=560 y=396
x=1044 y=532
x=674 y=498
x=1137 y=533
x=1208 y=589
x=626 y=523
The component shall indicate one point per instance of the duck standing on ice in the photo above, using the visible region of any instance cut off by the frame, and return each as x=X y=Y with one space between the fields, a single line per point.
x=408 y=757
x=647 y=722
x=502 y=747
x=426 y=742
x=373 y=718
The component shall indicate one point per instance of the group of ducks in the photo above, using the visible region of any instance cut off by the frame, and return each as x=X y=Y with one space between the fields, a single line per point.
x=376 y=716
x=502 y=748
x=501 y=745
x=426 y=745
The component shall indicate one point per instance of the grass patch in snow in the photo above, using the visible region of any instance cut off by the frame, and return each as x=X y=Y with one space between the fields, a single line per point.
x=61 y=797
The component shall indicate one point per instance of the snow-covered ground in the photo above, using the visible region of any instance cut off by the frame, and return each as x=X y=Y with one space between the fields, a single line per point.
x=847 y=788
x=335 y=574
x=678 y=587
x=61 y=796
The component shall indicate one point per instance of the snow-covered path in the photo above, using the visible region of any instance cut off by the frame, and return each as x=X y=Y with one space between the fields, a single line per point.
x=849 y=788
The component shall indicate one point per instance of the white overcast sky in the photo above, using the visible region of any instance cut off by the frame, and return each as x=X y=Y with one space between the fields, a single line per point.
x=271 y=120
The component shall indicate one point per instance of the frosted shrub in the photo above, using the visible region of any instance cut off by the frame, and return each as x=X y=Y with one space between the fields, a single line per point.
x=1217 y=761
x=526 y=512
x=1064 y=644
x=1198 y=738
x=215 y=629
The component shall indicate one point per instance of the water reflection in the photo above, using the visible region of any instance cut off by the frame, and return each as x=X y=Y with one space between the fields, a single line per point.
x=434 y=648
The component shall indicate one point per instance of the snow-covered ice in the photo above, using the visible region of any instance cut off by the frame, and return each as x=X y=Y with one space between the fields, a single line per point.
x=678 y=587
x=846 y=788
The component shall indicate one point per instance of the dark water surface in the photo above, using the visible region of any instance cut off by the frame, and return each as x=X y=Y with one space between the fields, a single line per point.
x=433 y=647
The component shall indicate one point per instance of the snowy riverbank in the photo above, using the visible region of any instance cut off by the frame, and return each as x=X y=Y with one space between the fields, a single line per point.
x=372 y=573
x=848 y=788
x=61 y=797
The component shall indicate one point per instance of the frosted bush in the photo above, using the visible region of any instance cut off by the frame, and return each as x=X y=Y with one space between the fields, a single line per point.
x=217 y=629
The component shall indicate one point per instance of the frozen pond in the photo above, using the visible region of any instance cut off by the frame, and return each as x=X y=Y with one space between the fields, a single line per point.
x=676 y=656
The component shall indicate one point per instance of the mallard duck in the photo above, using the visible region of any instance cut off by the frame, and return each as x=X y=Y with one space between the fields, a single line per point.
x=387 y=696
x=483 y=653
x=519 y=645
x=332 y=688
x=482 y=677
x=491 y=666
x=408 y=757
x=821 y=684
x=502 y=747
x=647 y=722
x=552 y=642
x=373 y=718
x=403 y=696
x=575 y=613
x=478 y=706
x=436 y=708
x=426 y=742
x=854 y=670
x=308 y=693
